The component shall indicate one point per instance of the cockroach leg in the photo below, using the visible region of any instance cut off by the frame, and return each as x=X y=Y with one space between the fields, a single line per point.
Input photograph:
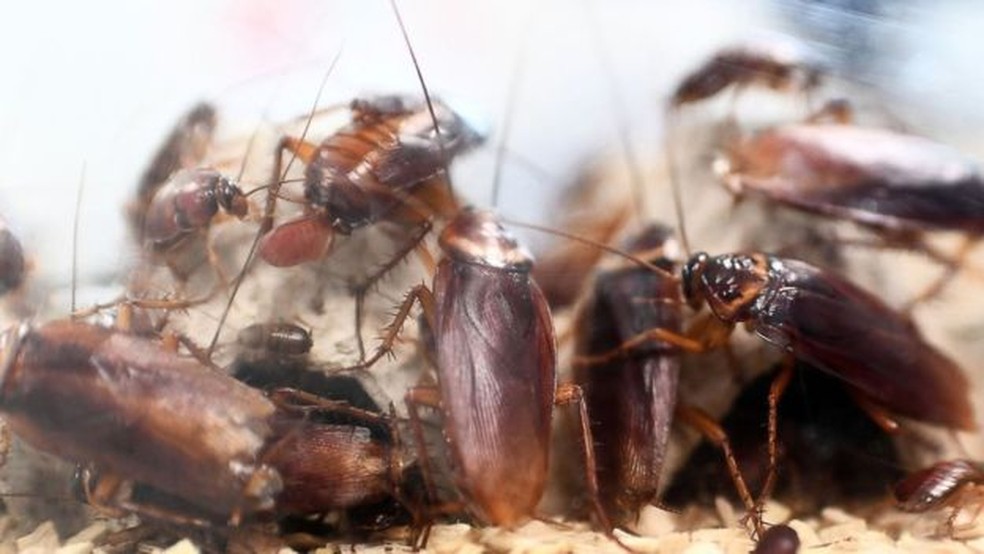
x=105 y=492
x=570 y=393
x=949 y=273
x=429 y=397
x=362 y=289
x=392 y=331
x=882 y=417
x=778 y=388
x=646 y=337
x=706 y=426
x=305 y=402
x=299 y=148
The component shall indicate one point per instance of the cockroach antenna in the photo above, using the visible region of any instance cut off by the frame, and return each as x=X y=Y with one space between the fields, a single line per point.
x=75 y=235
x=275 y=189
x=636 y=177
x=515 y=83
x=669 y=125
x=427 y=97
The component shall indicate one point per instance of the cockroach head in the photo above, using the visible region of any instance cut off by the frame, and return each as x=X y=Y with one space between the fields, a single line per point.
x=230 y=196
x=477 y=237
x=730 y=284
x=10 y=342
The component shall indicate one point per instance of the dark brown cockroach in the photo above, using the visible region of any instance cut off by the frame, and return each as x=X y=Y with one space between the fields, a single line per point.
x=184 y=148
x=825 y=320
x=386 y=164
x=12 y=263
x=142 y=416
x=122 y=403
x=631 y=399
x=778 y=539
x=775 y=66
x=184 y=207
x=496 y=368
x=882 y=179
x=272 y=340
x=954 y=483
x=900 y=186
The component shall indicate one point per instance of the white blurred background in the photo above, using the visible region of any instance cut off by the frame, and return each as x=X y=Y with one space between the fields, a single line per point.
x=99 y=83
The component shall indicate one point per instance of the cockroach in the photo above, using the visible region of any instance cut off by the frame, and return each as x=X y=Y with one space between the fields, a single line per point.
x=274 y=340
x=890 y=181
x=496 y=368
x=898 y=185
x=953 y=483
x=772 y=65
x=386 y=164
x=778 y=539
x=184 y=148
x=12 y=263
x=92 y=395
x=143 y=416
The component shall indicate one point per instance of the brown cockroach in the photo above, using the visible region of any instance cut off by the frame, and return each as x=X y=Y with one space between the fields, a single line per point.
x=778 y=539
x=898 y=185
x=275 y=340
x=953 y=483
x=144 y=416
x=184 y=148
x=631 y=399
x=772 y=65
x=496 y=369
x=12 y=263
x=386 y=164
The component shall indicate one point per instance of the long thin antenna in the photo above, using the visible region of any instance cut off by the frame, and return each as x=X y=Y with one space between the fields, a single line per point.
x=595 y=244
x=670 y=126
x=515 y=80
x=636 y=177
x=75 y=236
x=427 y=97
x=276 y=189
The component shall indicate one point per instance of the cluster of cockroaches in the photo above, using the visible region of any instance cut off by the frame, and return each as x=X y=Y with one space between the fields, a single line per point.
x=174 y=439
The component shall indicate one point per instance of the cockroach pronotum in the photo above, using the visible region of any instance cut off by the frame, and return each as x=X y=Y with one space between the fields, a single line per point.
x=184 y=148
x=778 y=66
x=954 y=483
x=496 y=368
x=141 y=415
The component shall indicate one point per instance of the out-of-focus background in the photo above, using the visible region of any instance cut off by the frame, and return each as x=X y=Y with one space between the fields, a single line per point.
x=98 y=84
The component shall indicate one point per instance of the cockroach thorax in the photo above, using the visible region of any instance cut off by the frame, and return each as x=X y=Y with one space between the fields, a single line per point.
x=477 y=237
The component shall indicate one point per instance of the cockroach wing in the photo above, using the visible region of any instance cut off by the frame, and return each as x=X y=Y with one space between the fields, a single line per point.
x=496 y=357
x=930 y=487
x=630 y=400
x=829 y=322
x=871 y=176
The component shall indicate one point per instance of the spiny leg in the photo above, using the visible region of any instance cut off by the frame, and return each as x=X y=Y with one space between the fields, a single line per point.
x=427 y=303
x=710 y=430
x=779 y=385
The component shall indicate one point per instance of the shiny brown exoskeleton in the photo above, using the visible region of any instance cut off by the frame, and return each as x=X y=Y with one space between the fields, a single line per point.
x=184 y=148
x=12 y=263
x=778 y=539
x=188 y=202
x=952 y=483
x=771 y=66
x=387 y=163
x=122 y=403
x=496 y=369
x=140 y=414
x=631 y=399
x=882 y=179
x=825 y=320
x=275 y=339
